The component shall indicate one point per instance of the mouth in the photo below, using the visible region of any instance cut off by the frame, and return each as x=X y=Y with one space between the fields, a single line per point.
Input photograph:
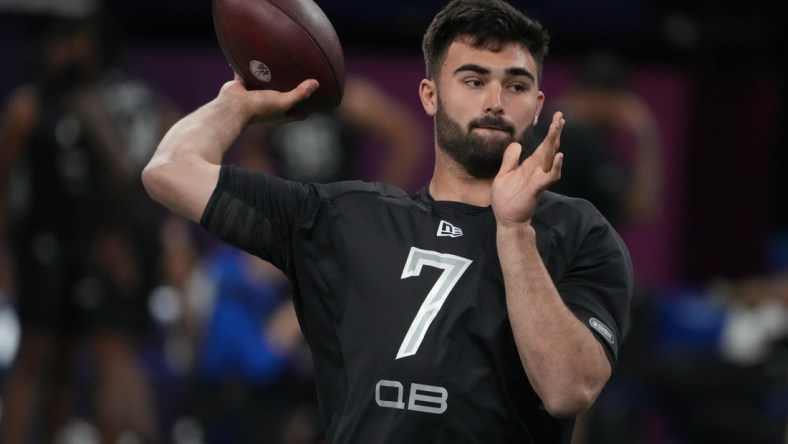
x=491 y=125
x=492 y=129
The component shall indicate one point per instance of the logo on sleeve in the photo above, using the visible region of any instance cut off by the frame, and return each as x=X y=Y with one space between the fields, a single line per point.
x=446 y=229
x=602 y=329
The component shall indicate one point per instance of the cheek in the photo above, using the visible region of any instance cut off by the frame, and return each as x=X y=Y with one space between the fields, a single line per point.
x=526 y=112
x=457 y=113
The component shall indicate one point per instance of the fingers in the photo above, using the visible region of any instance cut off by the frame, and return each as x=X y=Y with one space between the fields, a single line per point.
x=299 y=93
x=287 y=100
x=558 y=163
x=551 y=143
x=266 y=105
x=511 y=157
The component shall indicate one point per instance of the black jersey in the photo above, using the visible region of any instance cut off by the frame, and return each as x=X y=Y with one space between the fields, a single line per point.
x=401 y=299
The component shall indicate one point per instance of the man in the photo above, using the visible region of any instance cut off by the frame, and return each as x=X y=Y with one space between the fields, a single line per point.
x=78 y=241
x=480 y=309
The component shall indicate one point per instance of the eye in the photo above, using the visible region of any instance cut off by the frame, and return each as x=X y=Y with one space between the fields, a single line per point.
x=518 y=87
x=473 y=83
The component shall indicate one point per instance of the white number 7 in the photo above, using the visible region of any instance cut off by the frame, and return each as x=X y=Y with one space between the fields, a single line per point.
x=453 y=267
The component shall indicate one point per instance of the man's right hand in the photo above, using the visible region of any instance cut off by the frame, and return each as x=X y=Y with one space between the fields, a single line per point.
x=268 y=106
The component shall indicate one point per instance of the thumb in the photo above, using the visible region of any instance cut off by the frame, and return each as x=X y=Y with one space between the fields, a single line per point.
x=282 y=103
x=511 y=157
x=300 y=93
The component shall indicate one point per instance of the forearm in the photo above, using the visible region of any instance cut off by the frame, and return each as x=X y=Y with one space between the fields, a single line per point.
x=185 y=167
x=206 y=133
x=565 y=364
x=638 y=122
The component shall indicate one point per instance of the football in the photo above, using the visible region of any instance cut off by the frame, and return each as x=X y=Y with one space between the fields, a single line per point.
x=277 y=44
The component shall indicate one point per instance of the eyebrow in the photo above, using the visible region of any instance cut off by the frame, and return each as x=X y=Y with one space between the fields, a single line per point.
x=515 y=71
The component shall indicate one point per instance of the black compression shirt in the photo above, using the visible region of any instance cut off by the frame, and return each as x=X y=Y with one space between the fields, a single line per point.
x=401 y=299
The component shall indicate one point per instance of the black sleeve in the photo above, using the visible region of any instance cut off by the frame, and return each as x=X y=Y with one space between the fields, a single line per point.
x=598 y=283
x=255 y=212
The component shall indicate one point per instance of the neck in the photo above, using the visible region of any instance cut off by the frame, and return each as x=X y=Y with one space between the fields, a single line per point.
x=450 y=182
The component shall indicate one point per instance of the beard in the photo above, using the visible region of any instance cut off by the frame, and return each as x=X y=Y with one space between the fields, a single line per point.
x=479 y=156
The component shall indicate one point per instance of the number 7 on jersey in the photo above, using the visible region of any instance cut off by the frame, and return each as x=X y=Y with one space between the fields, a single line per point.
x=453 y=267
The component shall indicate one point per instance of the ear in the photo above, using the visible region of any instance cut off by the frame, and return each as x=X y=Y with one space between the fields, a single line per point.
x=429 y=96
x=539 y=104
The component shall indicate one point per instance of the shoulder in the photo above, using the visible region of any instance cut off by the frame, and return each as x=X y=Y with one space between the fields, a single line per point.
x=362 y=201
x=356 y=189
x=577 y=223
x=554 y=207
x=261 y=190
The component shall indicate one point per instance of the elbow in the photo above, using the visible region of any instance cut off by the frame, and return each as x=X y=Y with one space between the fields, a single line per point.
x=182 y=184
x=155 y=179
x=571 y=395
x=570 y=403
x=567 y=394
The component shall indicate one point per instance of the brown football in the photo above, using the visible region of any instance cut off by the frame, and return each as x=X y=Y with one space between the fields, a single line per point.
x=276 y=44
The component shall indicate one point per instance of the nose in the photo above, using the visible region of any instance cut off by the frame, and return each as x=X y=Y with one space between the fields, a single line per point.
x=494 y=104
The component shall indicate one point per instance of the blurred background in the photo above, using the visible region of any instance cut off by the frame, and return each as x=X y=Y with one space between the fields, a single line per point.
x=675 y=112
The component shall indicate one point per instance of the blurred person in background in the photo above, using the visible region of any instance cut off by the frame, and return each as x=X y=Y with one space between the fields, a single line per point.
x=717 y=368
x=242 y=375
x=252 y=379
x=329 y=146
x=78 y=242
x=612 y=141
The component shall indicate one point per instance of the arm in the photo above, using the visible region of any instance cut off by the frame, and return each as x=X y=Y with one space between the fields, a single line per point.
x=375 y=112
x=565 y=363
x=185 y=168
x=641 y=201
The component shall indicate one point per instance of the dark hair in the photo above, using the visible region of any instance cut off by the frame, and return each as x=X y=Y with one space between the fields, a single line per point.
x=488 y=24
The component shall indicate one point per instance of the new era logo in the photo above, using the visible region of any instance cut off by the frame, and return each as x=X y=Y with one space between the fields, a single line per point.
x=447 y=229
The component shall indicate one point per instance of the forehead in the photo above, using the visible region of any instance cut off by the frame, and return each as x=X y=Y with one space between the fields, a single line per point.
x=510 y=55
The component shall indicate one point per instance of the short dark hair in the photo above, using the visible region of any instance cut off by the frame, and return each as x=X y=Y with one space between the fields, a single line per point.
x=488 y=24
